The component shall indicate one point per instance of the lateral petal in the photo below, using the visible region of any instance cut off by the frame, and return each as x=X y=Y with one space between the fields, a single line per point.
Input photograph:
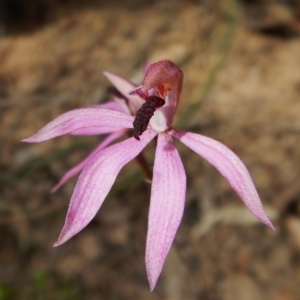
x=166 y=205
x=125 y=86
x=76 y=169
x=81 y=118
x=95 y=182
x=93 y=131
x=113 y=105
x=230 y=166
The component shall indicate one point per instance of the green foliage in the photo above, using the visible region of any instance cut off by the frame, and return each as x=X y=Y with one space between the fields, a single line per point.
x=42 y=286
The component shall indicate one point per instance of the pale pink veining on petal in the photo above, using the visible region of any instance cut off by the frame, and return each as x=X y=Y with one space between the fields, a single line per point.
x=166 y=205
x=112 y=105
x=76 y=169
x=81 y=118
x=94 y=131
x=125 y=87
x=230 y=166
x=96 y=180
x=126 y=104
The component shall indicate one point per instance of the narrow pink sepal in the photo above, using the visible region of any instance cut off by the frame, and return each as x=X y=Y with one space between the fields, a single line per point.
x=166 y=205
x=76 y=169
x=95 y=182
x=113 y=105
x=124 y=86
x=230 y=166
x=94 y=131
x=81 y=118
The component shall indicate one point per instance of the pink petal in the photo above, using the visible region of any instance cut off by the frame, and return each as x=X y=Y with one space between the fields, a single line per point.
x=95 y=182
x=81 y=118
x=125 y=86
x=230 y=166
x=166 y=205
x=94 y=131
x=81 y=165
x=112 y=105
x=124 y=104
x=117 y=105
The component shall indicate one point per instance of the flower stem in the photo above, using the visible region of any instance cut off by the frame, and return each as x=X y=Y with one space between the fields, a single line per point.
x=141 y=160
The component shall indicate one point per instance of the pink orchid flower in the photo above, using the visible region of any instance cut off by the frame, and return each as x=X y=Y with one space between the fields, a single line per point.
x=124 y=102
x=161 y=89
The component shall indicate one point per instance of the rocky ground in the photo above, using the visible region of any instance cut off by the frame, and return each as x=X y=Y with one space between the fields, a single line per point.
x=242 y=87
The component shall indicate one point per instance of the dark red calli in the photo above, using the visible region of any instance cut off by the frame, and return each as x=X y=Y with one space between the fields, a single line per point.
x=145 y=113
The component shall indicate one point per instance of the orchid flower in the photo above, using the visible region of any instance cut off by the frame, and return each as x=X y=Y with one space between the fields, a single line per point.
x=123 y=102
x=160 y=89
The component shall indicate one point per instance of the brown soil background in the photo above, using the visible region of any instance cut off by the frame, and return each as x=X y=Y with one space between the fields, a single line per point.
x=241 y=62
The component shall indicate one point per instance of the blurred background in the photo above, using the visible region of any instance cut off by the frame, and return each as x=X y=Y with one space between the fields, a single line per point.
x=241 y=62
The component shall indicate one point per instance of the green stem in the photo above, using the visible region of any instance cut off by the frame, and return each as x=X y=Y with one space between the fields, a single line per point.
x=142 y=162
